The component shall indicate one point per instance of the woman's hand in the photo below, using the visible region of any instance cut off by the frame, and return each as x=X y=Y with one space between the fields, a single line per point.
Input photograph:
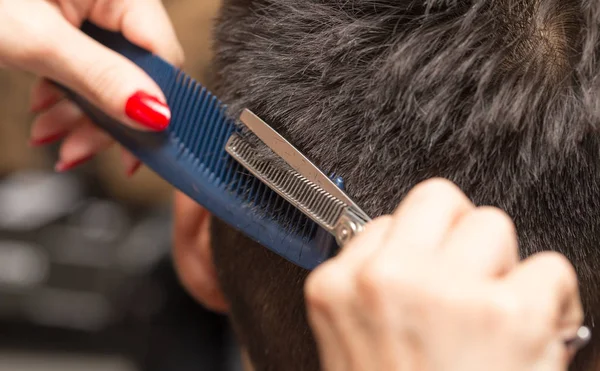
x=438 y=286
x=43 y=37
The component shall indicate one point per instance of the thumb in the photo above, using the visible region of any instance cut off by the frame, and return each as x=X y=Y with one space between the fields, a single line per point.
x=106 y=79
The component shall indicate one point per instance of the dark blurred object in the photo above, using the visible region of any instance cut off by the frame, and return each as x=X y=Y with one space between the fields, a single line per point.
x=67 y=251
x=82 y=273
x=194 y=338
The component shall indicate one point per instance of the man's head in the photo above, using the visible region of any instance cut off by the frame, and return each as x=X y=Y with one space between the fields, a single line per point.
x=500 y=96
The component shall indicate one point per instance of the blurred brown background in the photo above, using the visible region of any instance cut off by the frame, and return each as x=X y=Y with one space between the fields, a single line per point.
x=193 y=20
x=86 y=280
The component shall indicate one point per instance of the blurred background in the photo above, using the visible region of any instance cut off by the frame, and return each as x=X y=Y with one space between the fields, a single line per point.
x=86 y=280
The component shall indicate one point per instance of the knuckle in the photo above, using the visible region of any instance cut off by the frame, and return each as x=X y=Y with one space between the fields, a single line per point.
x=559 y=266
x=436 y=192
x=564 y=264
x=501 y=220
x=436 y=187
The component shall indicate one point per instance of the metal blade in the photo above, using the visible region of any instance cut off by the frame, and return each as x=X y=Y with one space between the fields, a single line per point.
x=294 y=158
x=306 y=196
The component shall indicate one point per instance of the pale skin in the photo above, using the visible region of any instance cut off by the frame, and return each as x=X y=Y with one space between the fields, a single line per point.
x=42 y=38
x=396 y=298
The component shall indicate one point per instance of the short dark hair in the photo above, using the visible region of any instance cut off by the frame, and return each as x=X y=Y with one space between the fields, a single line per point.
x=499 y=96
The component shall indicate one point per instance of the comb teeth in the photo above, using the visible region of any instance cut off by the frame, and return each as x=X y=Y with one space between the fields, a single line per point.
x=201 y=129
x=302 y=193
x=190 y=155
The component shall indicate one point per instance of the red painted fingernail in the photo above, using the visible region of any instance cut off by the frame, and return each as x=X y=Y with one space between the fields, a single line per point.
x=148 y=111
x=66 y=166
x=133 y=169
x=47 y=140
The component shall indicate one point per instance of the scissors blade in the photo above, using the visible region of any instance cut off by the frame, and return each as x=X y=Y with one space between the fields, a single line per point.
x=294 y=158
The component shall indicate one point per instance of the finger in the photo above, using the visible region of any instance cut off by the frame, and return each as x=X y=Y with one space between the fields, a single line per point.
x=423 y=220
x=547 y=284
x=55 y=123
x=143 y=22
x=131 y=163
x=44 y=95
x=483 y=243
x=104 y=77
x=81 y=145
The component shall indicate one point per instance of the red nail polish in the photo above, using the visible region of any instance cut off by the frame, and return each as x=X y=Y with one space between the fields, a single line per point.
x=133 y=169
x=47 y=140
x=66 y=166
x=148 y=111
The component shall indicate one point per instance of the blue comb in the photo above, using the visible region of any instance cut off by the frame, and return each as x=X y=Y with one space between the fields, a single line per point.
x=191 y=156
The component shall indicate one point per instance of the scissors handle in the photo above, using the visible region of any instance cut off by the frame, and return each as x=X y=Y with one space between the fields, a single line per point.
x=349 y=224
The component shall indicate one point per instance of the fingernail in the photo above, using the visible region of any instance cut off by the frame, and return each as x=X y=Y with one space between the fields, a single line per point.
x=148 y=111
x=46 y=140
x=133 y=169
x=63 y=166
